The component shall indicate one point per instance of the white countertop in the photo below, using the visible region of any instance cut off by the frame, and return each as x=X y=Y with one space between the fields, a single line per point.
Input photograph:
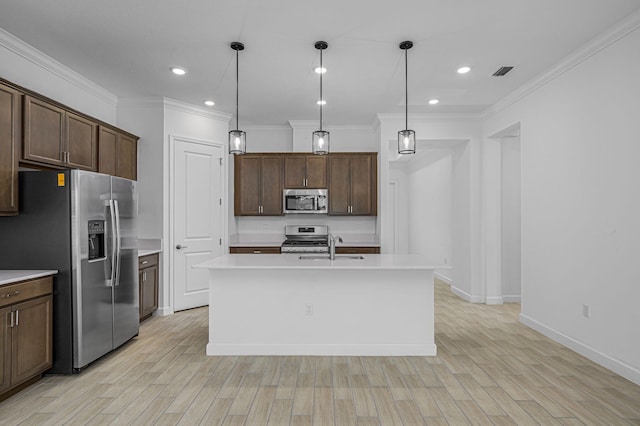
x=9 y=276
x=147 y=252
x=293 y=261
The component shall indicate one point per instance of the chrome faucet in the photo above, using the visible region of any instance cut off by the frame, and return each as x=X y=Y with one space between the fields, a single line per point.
x=332 y=245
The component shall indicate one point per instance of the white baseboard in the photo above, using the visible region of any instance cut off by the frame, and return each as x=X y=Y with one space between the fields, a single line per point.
x=322 y=349
x=163 y=311
x=466 y=296
x=497 y=300
x=617 y=366
x=511 y=299
x=442 y=277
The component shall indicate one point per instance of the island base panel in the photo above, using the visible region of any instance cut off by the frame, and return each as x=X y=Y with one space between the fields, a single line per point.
x=321 y=312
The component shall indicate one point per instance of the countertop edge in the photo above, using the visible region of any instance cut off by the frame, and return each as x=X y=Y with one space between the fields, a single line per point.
x=290 y=262
x=148 y=252
x=12 y=276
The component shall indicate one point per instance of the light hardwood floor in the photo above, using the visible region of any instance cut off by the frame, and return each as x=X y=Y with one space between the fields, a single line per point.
x=489 y=370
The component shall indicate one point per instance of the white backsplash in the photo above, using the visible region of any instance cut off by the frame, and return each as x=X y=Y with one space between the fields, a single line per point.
x=350 y=228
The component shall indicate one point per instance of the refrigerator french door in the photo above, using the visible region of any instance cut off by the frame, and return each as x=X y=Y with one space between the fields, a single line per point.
x=84 y=225
x=104 y=257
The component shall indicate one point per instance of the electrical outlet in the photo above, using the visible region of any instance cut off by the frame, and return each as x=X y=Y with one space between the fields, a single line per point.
x=586 y=311
x=308 y=309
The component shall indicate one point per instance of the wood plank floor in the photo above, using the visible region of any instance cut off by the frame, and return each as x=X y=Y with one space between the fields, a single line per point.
x=490 y=370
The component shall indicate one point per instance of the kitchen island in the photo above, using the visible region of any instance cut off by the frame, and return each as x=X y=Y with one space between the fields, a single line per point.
x=279 y=304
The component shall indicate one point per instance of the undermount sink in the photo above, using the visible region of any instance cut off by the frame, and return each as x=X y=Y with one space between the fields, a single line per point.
x=326 y=257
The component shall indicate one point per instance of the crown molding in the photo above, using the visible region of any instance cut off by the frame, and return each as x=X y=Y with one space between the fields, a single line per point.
x=142 y=102
x=267 y=127
x=180 y=106
x=302 y=123
x=168 y=103
x=425 y=116
x=47 y=63
x=600 y=42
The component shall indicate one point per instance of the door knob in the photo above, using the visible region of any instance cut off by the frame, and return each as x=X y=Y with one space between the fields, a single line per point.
x=181 y=247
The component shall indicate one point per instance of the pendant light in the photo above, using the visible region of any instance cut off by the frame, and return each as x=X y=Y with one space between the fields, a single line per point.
x=237 y=138
x=320 y=139
x=406 y=137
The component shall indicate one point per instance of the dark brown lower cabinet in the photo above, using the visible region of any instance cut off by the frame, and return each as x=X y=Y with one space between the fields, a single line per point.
x=148 y=281
x=254 y=250
x=357 y=250
x=26 y=333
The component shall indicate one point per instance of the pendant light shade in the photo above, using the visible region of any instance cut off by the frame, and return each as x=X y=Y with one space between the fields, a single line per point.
x=406 y=137
x=320 y=139
x=237 y=138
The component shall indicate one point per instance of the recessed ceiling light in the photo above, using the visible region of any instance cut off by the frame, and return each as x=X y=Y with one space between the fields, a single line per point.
x=463 y=70
x=433 y=101
x=209 y=103
x=320 y=70
x=321 y=102
x=178 y=70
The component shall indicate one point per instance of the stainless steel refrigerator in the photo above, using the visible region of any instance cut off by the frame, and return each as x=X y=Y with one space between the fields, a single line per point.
x=84 y=225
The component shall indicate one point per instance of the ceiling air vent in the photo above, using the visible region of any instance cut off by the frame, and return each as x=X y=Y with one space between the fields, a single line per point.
x=502 y=71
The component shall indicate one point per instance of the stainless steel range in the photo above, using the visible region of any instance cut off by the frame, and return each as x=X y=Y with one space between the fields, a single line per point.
x=306 y=239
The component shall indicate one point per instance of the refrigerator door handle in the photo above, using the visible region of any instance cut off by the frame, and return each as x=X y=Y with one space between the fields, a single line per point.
x=114 y=239
x=118 y=244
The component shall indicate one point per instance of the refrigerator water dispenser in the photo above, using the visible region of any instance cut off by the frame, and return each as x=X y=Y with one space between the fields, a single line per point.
x=96 y=240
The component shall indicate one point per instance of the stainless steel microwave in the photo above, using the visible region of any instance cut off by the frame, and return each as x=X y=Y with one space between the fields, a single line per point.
x=305 y=201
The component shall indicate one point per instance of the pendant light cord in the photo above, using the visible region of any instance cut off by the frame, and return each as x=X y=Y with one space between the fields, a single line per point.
x=321 y=100
x=237 y=78
x=406 y=91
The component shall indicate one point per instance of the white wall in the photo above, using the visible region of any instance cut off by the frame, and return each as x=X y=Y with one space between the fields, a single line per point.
x=155 y=120
x=430 y=209
x=510 y=214
x=145 y=118
x=25 y=66
x=268 y=138
x=461 y=135
x=580 y=203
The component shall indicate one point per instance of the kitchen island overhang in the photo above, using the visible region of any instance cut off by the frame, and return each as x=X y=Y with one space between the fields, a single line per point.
x=263 y=304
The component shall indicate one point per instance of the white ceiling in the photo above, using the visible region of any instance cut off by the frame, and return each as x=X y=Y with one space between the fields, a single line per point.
x=128 y=47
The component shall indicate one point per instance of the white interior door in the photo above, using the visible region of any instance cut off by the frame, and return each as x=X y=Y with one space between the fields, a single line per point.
x=197 y=236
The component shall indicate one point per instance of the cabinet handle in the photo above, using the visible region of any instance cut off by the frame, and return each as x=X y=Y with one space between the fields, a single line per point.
x=12 y=323
x=257 y=251
x=17 y=318
x=68 y=157
x=15 y=293
x=144 y=262
x=144 y=276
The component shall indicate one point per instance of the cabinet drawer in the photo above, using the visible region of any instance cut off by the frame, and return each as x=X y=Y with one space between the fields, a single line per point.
x=12 y=293
x=147 y=261
x=254 y=250
x=358 y=250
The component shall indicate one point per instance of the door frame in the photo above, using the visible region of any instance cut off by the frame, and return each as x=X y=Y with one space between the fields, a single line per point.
x=169 y=290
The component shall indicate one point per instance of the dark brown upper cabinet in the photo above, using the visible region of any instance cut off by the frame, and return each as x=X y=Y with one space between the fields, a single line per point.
x=57 y=137
x=10 y=132
x=258 y=185
x=305 y=171
x=118 y=153
x=353 y=184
